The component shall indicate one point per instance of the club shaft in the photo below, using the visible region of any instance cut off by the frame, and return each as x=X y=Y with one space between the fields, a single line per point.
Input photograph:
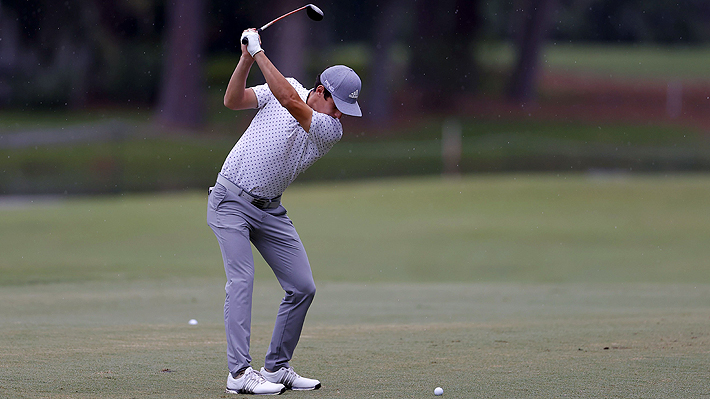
x=281 y=17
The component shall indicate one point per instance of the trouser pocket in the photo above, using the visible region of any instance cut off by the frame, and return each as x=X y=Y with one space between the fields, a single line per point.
x=217 y=194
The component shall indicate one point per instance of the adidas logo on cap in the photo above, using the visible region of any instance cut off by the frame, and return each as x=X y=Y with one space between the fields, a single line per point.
x=354 y=94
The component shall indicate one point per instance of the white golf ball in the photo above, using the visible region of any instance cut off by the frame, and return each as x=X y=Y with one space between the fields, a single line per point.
x=192 y=322
x=438 y=391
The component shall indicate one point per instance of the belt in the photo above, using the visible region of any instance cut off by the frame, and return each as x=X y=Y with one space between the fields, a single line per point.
x=259 y=202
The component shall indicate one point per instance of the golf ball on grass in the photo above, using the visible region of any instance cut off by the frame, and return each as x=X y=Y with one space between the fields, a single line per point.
x=192 y=322
x=438 y=391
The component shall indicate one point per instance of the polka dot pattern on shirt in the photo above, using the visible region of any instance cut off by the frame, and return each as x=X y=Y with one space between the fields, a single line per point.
x=275 y=149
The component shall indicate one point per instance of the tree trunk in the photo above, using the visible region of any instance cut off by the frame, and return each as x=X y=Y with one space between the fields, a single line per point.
x=532 y=37
x=181 y=93
x=442 y=65
x=379 y=91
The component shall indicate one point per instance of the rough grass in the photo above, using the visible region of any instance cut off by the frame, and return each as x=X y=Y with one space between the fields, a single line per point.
x=132 y=339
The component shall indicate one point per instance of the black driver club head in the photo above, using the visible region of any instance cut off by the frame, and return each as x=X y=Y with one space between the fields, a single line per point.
x=314 y=12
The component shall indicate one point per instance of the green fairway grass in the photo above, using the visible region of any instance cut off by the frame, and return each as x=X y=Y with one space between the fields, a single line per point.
x=533 y=228
x=500 y=286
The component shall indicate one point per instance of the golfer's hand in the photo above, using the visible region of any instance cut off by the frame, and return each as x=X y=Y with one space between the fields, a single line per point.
x=251 y=39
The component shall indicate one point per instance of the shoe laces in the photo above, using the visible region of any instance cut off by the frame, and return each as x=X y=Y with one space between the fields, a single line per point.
x=252 y=379
x=290 y=377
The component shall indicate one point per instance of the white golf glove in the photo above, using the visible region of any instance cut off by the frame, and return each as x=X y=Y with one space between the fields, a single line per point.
x=253 y=41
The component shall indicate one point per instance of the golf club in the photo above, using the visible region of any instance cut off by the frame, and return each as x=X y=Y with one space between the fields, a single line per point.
x=312 y=10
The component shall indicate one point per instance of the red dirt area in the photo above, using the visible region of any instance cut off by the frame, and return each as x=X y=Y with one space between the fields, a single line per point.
x=587 y=98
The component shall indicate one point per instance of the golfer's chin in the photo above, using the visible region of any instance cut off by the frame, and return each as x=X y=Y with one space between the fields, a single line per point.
x=332 y=112
x=324 y=106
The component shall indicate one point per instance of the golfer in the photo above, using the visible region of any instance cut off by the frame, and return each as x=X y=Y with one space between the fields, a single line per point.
x=293 y=128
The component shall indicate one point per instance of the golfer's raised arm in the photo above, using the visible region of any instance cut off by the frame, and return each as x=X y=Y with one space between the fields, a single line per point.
x=284 y=92
x=237 y=96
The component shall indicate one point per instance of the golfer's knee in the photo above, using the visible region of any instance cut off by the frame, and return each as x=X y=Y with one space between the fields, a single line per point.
x=309 y=290
x=304 y=292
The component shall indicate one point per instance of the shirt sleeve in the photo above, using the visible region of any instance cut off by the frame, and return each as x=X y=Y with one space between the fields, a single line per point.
x=263 y=94
x=325 y=131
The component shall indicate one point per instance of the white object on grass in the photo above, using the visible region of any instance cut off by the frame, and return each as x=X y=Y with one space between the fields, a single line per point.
x=438 y=391
x=192 y=322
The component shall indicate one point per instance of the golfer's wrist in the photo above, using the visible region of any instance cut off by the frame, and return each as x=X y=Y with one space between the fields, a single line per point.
x=257 y=54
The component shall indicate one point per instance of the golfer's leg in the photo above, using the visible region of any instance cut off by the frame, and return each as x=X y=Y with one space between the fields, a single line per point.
x=282 y=249
x=233 y=237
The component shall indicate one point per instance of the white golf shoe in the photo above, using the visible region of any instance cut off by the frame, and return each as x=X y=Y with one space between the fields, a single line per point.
x=251 y=382
x=290 y=379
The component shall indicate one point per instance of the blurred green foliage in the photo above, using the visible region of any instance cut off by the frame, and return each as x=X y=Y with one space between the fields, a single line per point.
x=145 y=161
x=71 y=54
x=609 y=21
x=125 y=39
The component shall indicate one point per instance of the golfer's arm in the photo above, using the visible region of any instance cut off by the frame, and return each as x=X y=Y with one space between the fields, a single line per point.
x=283 y=91
x=237 y=96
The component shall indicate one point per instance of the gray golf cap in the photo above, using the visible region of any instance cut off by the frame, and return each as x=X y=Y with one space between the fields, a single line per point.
x=344 y=84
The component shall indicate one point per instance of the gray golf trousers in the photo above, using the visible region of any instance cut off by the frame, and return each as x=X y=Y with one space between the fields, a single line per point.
x=236 y=223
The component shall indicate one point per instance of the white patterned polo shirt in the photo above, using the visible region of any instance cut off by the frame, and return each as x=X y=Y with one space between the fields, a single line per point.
x=275 y=149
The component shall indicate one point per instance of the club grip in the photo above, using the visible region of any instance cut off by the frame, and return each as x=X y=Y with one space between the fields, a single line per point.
x=245 y=41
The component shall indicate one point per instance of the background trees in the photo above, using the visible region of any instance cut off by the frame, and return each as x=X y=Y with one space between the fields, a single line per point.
x=181 y=99
x=153 y=52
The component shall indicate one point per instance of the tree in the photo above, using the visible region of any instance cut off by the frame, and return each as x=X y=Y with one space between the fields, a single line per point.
x=45 y=60
x=181 y=95
x=379 y=93
x=442 y=64
x=535 y=16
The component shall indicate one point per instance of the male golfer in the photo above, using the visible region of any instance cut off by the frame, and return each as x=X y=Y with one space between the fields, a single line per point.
x=293 y=128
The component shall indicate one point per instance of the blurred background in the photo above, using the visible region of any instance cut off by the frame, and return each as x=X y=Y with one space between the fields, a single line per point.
x=126 y=95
